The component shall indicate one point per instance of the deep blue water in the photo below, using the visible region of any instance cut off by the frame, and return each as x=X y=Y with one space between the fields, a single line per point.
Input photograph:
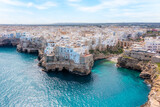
x=23 y=83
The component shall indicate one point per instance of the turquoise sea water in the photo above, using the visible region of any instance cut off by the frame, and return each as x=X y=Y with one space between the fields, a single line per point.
x=22 y=83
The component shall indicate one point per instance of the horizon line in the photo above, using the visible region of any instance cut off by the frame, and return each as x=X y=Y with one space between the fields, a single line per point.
x=88 y=23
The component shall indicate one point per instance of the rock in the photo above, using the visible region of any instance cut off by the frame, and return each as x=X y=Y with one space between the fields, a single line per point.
x=99 y=56
x=145 y=75
x=148 y=81
x=9 y=41
x=129 y=63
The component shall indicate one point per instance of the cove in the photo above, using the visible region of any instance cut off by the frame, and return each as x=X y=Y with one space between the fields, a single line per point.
x=22 y=83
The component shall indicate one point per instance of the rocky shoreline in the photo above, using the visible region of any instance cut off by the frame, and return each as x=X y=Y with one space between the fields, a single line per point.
x=79 y=69
x=26 y=47
x=149 y=72
x=9 y=42
x=27 y=50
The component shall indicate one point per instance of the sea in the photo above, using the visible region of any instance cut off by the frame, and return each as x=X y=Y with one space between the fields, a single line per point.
x=24 y=84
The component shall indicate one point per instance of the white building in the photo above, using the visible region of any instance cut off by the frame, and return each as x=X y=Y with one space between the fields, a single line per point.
x=152 y=44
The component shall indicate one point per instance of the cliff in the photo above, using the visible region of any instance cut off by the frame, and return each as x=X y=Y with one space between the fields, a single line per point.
x=99 y=56
x=149 y=72
x=130 y=63
x=29 y=46
x=106 y=53
x=20 y=48
x=49 y=64
x=9 y=41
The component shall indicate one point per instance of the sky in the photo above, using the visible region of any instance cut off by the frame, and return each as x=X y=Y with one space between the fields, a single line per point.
x=78 y=11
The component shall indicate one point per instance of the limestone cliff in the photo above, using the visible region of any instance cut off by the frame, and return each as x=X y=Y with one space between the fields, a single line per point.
x=48 y=63
x=109 y=51
x=9 y=41
x=99 y=56
x=149 y=72
x=28 y=46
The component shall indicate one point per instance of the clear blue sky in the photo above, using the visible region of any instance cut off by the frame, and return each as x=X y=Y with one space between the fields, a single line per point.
x=78 y=11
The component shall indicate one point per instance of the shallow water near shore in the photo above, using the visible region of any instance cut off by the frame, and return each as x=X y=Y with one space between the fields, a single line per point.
x=23 y=83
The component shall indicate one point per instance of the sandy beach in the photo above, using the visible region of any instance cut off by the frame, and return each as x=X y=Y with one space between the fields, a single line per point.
x=113 y=59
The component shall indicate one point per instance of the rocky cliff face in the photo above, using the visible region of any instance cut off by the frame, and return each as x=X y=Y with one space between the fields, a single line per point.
x=99 y=56
x=150 y=73
x=9 y=42
x=28 y=47
x=50 y=65
x=130 y=63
